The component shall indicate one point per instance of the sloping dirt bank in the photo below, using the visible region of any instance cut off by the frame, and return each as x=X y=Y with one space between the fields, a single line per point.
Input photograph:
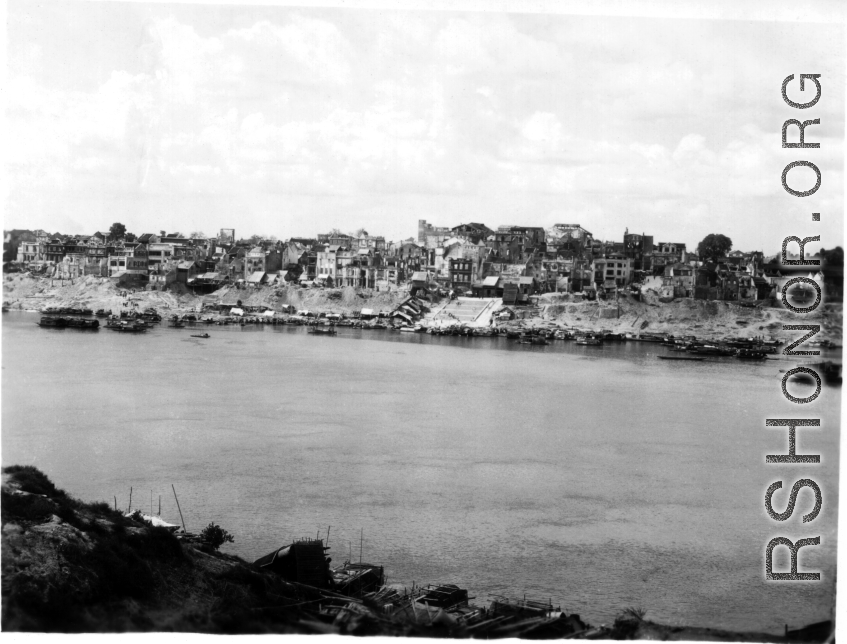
x=705 y=319
x=25 y=292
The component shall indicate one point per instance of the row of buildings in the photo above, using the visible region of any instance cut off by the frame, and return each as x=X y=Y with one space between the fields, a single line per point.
x=512 y=262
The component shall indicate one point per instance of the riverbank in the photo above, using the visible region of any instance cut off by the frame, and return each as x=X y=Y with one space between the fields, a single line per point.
x=704 y=319
x=70 y=566
x=25 y=292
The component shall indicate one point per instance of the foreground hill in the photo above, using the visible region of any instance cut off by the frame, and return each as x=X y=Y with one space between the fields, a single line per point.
x=69 y=566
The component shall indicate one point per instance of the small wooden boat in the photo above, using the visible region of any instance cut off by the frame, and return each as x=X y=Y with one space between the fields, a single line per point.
x=712 y=350
x=533 y=340
x=590 y=342
x=126 y=327
x=689 y=358
x=322 y=331
x=750 y=354
x=202 y=335
x=647 y=337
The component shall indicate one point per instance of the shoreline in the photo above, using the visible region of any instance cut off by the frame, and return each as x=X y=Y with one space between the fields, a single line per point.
x=702 y=318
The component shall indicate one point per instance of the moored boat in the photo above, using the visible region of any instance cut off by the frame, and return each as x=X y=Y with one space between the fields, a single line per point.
x=51 y=322
x=77 y=323
x=68 y=323
x=122 y=326
x=315 y=330
x=589 y=341
x=750 y=354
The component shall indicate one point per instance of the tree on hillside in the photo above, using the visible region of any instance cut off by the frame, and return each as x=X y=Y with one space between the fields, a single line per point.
x=832 y=258
x=117 y=231
x=198 y=234
x=714 y=247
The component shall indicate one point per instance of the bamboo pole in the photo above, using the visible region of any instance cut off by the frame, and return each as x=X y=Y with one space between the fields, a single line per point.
x=327 y=535
x=130 y=500
x=361 y=544
x=179 y=508
x=116 y=503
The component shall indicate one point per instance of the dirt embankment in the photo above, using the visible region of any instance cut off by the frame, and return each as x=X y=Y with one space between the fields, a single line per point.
x=702 y=318
x=25 y=292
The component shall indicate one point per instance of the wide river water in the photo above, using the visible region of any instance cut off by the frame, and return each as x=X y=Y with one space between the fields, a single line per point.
x=598 y=477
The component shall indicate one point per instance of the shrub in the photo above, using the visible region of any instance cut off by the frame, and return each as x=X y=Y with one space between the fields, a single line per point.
x=216 y=536
x=634 y=613
x=32 y=480
x=26 y=508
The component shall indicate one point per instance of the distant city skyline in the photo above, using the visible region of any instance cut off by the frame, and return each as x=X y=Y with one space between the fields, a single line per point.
x=289 y=121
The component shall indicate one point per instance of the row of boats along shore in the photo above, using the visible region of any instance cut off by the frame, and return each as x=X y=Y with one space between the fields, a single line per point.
x=687 y=348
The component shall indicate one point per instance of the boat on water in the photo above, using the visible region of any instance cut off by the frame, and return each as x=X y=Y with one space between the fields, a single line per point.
x=535 y=339
x=711 y=350
x=155 y=521
x=201 y=335
x=77 y=323
x=67 y=310
x=588 y=341
x=687 y=358
x=316 y=330
x=751 y=354
x=648 y=337
x=126 y=327
x=58 y=323
x=68 y=323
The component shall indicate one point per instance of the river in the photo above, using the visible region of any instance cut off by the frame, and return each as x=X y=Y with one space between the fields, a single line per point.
x=598 y=477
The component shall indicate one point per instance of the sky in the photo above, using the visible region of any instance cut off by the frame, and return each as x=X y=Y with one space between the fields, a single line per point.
x=290 y=121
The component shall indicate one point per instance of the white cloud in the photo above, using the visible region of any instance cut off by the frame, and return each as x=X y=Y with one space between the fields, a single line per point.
x=627 y=121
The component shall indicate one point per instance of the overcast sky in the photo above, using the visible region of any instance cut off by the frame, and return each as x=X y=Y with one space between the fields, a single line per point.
x=290 y=121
